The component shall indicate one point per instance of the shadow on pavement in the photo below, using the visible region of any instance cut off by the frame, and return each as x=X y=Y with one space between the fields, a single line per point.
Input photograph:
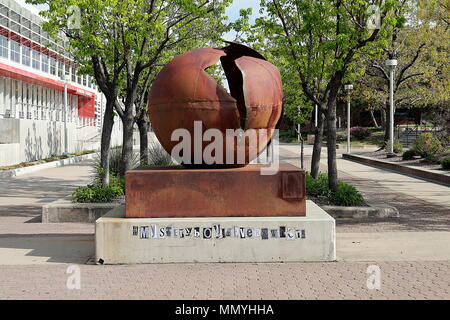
x=49 y=248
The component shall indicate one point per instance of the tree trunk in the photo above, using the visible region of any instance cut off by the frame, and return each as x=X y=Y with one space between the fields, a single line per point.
x=143 y=126
x=383 y=117
x=373 y=118
x=127 y=144
x=317 y=148
x=108 y=123
x=331 y=143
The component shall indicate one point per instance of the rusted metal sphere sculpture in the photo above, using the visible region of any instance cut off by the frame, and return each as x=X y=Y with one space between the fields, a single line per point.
x=184 y=93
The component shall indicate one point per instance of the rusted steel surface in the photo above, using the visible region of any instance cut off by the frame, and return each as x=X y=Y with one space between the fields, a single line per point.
x=183 y=93
x=179 y=192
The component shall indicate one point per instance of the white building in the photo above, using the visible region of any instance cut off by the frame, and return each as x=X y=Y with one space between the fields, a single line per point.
x=35 y=74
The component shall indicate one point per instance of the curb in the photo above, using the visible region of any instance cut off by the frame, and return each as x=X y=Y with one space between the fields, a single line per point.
x=409 y=170
x=374 y=211
x=355 y=146
x=53 y=164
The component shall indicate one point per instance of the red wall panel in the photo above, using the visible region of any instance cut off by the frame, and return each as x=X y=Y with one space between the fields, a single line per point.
x=86 y=106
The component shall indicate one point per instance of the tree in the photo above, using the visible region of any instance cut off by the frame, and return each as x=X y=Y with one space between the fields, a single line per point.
x=91 y=30
x=422 y=60
x=296 y=107
x=320 y=39
x=122 y=43
x=150 y=32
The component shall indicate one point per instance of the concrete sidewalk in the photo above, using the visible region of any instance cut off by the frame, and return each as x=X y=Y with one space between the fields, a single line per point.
x=423 y=205
x=21 y=199
x=399 y=183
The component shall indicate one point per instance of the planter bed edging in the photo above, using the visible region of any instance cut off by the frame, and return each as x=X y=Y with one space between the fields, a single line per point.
x=374 y=211
x=415 y=172
x=53 y=164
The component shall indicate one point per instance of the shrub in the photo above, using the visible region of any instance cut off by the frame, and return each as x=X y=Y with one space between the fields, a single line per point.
x=409 y=154
x=157 y=156
x=96 y=193
x=398 y=147
x=114 y=162
x=360 y=133
x=445 y=163
x=287 y=135
x=427 y=146
x=317 y=187
x=341 y=136
x=346 y=195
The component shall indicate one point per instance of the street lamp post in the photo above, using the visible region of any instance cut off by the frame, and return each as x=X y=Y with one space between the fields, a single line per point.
x=391 y=63
x=348 y=88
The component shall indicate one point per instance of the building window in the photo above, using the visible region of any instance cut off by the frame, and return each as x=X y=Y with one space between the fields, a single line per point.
x=60 y=69
x=15 y=51
x=73 y=74
x=36 y=60
x=53 y=66
x=84 y=80
x=3 y=47
x=26 y=55
x=67 y=71
x=44 y=63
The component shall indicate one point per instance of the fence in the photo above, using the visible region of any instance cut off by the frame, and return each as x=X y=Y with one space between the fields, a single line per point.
x=407 y=134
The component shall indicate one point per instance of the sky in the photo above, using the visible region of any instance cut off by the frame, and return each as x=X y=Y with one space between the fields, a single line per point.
x=232 y=12
x=33 y=8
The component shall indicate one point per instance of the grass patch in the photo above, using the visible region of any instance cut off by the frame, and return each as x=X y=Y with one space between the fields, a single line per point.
x=376 y=138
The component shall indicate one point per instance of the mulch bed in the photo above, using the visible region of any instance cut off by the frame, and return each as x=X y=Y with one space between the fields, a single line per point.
x=422 y=163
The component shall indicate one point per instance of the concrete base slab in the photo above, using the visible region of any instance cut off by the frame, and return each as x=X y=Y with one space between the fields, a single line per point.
x=64 y=210
x=121 y=240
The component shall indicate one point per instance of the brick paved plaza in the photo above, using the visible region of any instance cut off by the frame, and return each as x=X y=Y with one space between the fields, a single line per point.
x=334 y=280
x=411 y=251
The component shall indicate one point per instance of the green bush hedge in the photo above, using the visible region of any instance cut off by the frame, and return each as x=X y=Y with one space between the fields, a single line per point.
x=445 y=163
x=96 y=193
x=409 y=154
x=398 y=147
x=360 y=133
x=317 y=187
x=427 y=146
x=346 y=195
